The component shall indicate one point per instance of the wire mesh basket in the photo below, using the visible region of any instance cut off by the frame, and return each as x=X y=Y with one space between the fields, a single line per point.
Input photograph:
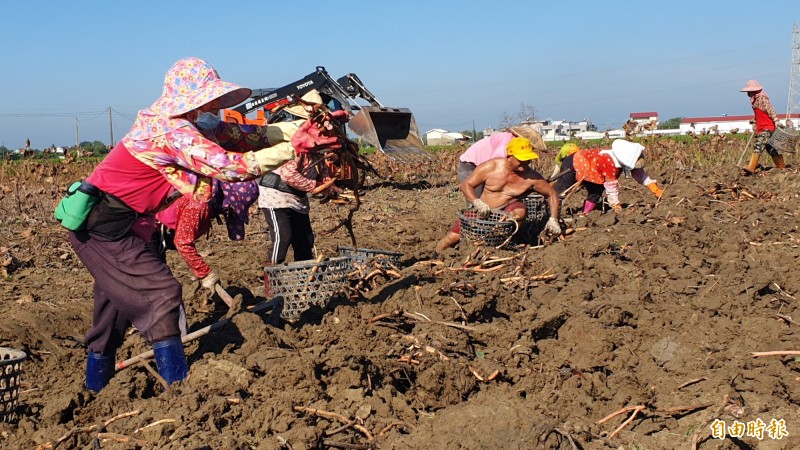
x=364 y=256
x=302 y=284
x=784 y=140
x=535 y=209
x=493 y=230
x=10 y=375
x=536 y=215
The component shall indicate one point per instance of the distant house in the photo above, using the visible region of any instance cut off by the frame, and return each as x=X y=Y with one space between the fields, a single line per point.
x=437 y=136
x=590 y=135
x=723 y=124
x=644 y=117
x=560 y=130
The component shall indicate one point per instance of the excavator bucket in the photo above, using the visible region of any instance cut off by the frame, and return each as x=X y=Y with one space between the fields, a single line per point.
x=392 y=131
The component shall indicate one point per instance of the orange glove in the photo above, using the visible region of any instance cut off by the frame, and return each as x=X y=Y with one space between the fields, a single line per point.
x=617 y=208
x=657 y=191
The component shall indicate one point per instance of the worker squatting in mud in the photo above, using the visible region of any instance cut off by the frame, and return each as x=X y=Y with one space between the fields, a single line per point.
x=503 y=181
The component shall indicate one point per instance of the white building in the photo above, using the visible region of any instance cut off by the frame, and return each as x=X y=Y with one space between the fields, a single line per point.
x=437 y=136
x=590 y=135
x=644 y=117
x=562 y=130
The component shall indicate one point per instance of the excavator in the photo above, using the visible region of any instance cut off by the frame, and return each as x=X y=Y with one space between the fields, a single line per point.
x=393 y=131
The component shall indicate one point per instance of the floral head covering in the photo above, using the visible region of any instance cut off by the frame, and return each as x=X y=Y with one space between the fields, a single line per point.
x=233 y=201
x=190 y=83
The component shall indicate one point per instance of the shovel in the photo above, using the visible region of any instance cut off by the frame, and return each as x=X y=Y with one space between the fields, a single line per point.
x=747 y=146
x=195 y=334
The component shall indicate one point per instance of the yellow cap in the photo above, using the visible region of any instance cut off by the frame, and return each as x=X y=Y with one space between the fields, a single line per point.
x=521 y=149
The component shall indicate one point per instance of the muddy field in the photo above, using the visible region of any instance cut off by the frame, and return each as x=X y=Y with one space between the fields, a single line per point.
x=658 y=307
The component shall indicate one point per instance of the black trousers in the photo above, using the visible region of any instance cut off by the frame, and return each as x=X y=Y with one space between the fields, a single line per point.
x=288 y=227
x=564 y=182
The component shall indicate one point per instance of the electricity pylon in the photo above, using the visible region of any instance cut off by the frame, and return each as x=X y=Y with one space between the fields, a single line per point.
x=793 y=108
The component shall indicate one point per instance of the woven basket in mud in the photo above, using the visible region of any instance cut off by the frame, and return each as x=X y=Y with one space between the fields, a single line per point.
x=364 y=256
x=10 y=375
x=493 y=230
x=784 y=140
x=301 y=284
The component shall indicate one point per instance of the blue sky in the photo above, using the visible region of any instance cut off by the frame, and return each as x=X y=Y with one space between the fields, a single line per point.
x=451 y=62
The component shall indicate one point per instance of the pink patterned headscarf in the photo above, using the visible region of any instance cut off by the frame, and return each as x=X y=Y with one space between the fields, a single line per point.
x=190 y=83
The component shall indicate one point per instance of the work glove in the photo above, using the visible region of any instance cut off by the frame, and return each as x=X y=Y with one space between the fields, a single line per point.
x=309 y=137
x=210 y=281
x=617 y=207
x=657 y=191
x=552 y=226
x=482 y=208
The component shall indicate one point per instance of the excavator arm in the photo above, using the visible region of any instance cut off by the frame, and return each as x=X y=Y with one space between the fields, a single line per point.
x=393 y=131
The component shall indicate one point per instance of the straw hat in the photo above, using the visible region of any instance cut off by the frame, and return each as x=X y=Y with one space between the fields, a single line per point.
x=530 y=134
x=300 y=110
x=752 y=86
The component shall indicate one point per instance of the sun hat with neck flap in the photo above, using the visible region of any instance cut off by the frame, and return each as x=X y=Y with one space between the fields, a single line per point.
x=189 y=84
x=626 y=153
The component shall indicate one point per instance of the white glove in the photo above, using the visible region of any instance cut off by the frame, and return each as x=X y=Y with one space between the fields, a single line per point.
x=210 y=281
x=552 y=226
x=482 y=208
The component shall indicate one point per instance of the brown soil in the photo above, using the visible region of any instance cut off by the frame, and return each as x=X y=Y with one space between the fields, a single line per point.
x=638 y=304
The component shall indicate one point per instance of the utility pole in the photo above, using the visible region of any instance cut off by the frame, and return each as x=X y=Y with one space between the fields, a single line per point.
x=474 y=133
x=77 y=134
x=793 y=108
x=110 y=128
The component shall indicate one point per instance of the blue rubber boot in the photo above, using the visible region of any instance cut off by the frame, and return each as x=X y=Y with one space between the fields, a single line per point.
x=171 y=360
x=99 y=371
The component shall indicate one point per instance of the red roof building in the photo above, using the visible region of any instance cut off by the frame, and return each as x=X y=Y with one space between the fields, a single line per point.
x=644 y=115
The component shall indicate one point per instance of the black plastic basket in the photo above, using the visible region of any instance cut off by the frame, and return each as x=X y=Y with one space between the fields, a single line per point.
x=784 y=140
x=301 y=284
x=492 y=231
x=10 y=375
x=364 y=256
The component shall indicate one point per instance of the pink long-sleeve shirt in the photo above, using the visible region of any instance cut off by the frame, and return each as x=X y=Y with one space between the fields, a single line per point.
x=490 y=147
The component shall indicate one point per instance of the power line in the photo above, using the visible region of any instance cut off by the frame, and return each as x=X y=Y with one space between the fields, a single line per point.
x=53 y=114
x=123 y=115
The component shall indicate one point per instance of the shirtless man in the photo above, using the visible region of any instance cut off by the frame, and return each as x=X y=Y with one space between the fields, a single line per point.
x=504 y=180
